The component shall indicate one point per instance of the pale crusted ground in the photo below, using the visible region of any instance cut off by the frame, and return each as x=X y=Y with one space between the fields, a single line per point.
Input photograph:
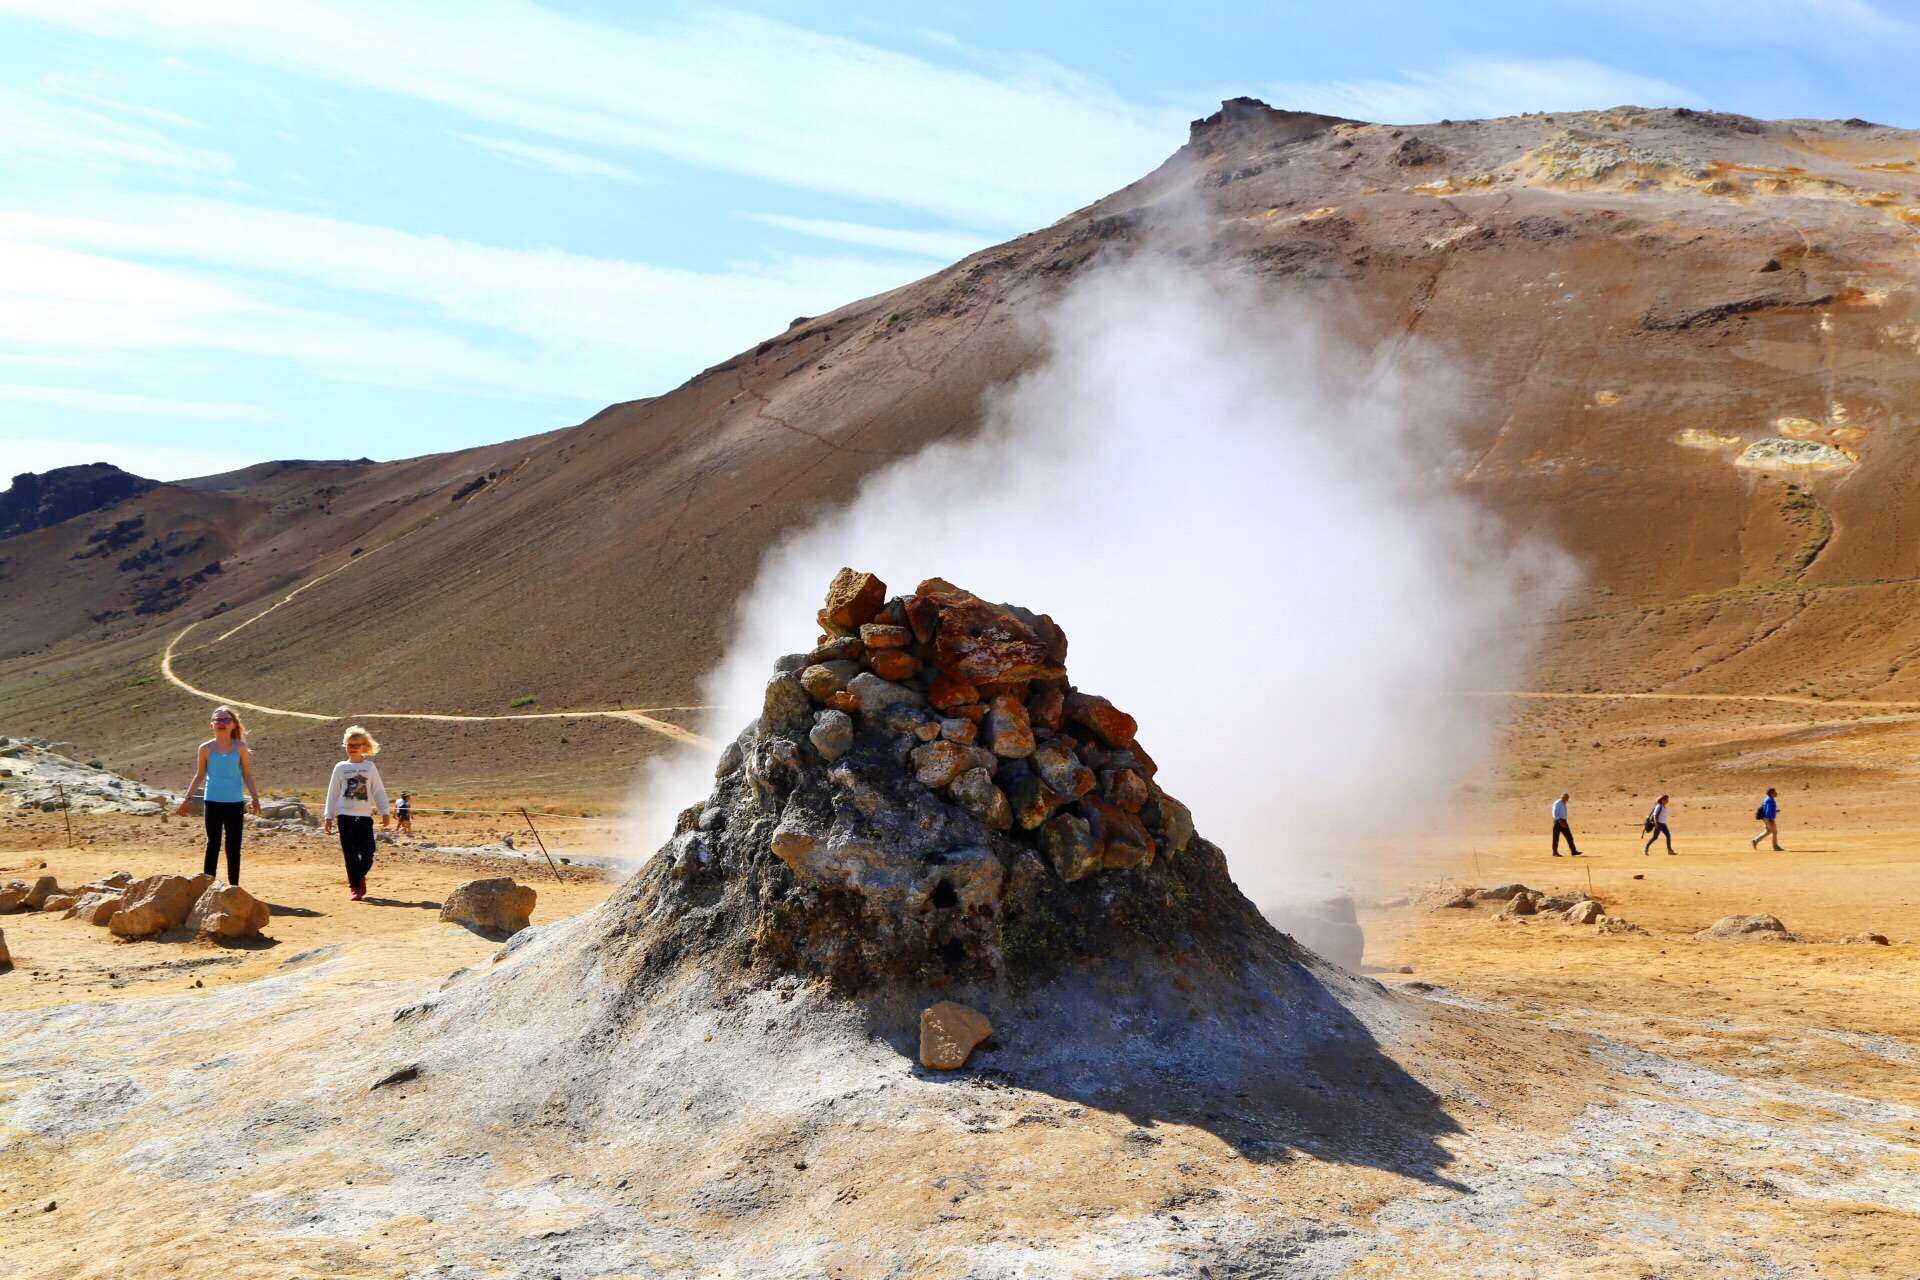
x=1746 y=1110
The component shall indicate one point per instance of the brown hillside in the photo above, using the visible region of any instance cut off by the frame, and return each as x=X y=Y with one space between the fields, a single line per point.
x=1635 y=299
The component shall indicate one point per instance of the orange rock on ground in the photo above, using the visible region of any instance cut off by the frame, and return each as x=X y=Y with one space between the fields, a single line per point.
x=949 y=1033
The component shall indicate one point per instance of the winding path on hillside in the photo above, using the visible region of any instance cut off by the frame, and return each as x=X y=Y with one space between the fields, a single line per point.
x=640 y=718
x=1801 y=699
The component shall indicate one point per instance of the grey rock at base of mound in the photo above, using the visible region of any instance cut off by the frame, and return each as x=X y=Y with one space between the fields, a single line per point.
x=157 y=904
x=1748 y=928
x=1328 y=927
x=228 y=912
x=494 y=905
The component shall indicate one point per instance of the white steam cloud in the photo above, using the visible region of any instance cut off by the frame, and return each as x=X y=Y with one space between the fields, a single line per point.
x=1250 y=537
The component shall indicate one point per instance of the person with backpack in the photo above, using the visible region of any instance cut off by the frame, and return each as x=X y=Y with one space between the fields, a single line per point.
x=1656 y=826
x=226 y=766
x=1768 y=815
x=353 y=793
x=1560 y=827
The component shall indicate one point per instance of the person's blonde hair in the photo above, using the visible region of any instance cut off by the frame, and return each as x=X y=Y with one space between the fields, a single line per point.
x=239 y=730
x=355 y=731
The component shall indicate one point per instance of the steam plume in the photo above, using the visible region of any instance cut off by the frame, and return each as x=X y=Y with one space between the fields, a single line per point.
x=1249 y=537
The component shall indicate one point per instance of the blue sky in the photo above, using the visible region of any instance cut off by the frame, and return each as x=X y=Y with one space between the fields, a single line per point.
x=233 y=230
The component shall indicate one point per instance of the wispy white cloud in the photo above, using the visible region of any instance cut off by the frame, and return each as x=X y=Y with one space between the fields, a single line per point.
x=155 y=461
x=521 y=320
x=571 y=164
x=77 y=88
x=32 y=128
x=123 y=402
x=722 y=90
x=1473 y=88
x=946 y=246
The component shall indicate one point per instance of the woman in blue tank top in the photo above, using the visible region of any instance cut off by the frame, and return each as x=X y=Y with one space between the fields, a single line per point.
x=226 y=766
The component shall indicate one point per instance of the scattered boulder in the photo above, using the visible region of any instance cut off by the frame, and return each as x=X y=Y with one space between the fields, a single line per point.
x=98 y=907
x=1453 y=899
x=13 y=895
x=1520 y=904
x=497 y=905
x=1745 y=929
x=1586 y=912
x=1501 y=893
x=43 y=887
x=157 y=904
x=949 y=1033
x=228 y=912
x=6 y=957
x=1868 y=939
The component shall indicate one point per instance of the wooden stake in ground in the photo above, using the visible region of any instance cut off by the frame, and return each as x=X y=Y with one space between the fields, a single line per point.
x=542 y=843
x=66 y=811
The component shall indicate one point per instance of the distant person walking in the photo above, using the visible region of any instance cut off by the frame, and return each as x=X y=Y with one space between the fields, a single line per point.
x=1769 y=815
x=1560 y=827
x=353 y=793
x=403 y=815
x=226 y=767
x=1657 y=825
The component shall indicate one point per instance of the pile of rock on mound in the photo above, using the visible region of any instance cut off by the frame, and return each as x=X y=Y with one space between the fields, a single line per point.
x=926 y=793
x=130 y=908
x=1517 y=902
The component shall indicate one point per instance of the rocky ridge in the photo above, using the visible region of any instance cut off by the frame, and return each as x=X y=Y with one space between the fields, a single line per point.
x=926 y=796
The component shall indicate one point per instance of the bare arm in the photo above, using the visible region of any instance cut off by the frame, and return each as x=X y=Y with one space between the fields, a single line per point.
x=199 y=776
x=246 y=771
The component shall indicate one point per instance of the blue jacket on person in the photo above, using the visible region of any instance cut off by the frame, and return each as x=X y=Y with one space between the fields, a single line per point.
x=1769 y=808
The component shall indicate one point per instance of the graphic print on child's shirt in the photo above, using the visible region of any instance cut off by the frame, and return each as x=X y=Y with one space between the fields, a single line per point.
x=355 y=787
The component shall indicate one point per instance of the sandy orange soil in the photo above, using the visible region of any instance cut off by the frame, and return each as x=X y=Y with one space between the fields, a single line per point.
x=1819 y=1035
x=300 y=878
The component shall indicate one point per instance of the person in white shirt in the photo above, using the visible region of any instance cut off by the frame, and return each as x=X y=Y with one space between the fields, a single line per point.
x=1657 y=825
x=353 y=793
x=1560 y=827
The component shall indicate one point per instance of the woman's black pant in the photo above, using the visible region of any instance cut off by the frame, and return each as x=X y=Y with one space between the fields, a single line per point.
x=356 y=846
x=225 y=818
x=1659 y=830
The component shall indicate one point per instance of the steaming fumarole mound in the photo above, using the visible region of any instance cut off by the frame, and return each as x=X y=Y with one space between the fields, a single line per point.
x=927 y=798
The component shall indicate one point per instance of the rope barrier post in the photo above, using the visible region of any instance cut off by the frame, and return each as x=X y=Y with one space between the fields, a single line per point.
x=542 y=843
x=66 y=811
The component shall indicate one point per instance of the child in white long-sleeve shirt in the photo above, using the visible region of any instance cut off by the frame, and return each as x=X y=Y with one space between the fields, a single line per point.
x=353 y=793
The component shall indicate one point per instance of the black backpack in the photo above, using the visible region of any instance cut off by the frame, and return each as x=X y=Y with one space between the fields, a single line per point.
x=1761 y=813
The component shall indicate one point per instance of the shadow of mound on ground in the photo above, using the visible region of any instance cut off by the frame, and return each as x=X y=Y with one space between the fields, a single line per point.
x=1272 y=1061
